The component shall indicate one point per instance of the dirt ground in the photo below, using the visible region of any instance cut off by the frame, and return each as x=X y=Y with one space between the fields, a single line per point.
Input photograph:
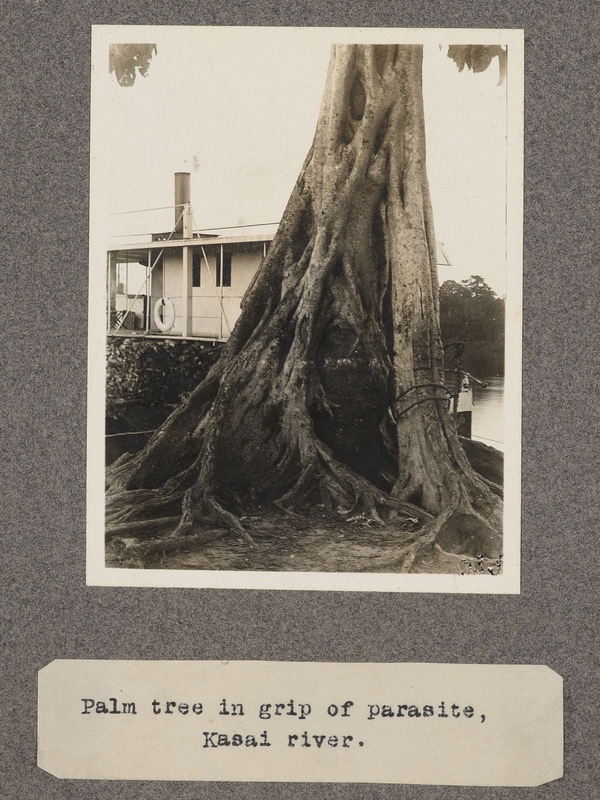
x=316 y=543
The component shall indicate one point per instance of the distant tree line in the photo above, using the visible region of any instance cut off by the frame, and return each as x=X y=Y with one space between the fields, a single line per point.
x=471 y=312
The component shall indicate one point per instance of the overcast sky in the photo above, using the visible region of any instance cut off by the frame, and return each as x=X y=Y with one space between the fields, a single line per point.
x=237 y=108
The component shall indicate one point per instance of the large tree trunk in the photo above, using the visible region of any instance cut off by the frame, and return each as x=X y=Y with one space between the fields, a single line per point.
x=330 y=389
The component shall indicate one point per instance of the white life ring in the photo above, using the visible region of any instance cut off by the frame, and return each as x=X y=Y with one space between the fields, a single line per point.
x=164 y=314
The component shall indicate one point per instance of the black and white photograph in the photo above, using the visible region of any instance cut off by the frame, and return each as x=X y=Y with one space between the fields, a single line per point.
x=305 y=308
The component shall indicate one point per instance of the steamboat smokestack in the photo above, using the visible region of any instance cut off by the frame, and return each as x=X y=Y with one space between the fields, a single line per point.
x=182 y=196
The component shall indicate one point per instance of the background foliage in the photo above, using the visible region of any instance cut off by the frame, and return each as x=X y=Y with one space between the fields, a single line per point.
x=471 y=312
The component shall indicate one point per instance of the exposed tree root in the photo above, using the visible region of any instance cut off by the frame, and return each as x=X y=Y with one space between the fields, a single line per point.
x=124 y=506
x=194 y=502
x=340 y=489
x=493 y=487
x=142 y=527
x=132 y=550
x=459 y=530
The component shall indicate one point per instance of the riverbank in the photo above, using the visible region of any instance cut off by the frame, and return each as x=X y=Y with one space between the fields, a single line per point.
x=145 y=380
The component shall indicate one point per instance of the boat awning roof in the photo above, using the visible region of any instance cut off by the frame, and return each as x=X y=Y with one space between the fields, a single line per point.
x=174 y=244
x=208 y=241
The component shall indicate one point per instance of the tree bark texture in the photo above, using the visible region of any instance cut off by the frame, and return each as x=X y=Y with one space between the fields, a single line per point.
x=331 y=387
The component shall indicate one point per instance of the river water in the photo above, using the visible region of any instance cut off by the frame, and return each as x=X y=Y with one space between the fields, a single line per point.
x=488 y=413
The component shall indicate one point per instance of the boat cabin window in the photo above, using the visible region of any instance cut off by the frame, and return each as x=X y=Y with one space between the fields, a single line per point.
x=197 y=270
x=224 y=269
